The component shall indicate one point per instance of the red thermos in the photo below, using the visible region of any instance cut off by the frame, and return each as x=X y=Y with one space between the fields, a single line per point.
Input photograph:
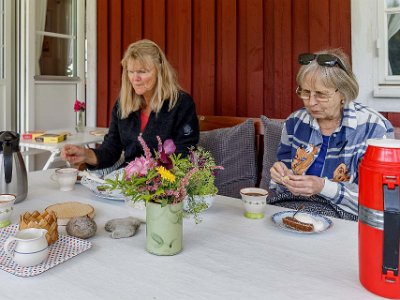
x=379 y=218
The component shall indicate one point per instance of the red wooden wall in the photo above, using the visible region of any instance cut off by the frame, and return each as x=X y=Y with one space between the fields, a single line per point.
x=236 y=57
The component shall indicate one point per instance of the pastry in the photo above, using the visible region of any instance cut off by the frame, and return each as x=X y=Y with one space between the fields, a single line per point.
x=297 y=225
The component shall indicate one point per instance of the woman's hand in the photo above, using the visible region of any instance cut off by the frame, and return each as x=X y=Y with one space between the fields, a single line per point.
x=279 y=171
x=304 y=185
x=77 y=155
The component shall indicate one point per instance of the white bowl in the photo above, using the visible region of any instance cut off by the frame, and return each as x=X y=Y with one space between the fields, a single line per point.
x=254 y=202
x=207 y=199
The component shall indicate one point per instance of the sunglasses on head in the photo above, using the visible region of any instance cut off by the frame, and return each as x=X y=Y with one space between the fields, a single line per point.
x=325 y=60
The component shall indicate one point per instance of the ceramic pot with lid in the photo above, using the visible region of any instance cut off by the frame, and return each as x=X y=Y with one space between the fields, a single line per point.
x=13 y=176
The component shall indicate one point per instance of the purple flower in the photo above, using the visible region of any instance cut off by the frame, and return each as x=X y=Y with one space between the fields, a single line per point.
x=165 y=150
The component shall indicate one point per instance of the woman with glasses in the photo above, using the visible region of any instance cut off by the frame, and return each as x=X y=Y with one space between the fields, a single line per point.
x=323 y=143
x=150 y=103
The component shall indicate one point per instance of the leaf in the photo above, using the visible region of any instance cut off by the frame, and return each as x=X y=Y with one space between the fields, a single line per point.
x=157 y=239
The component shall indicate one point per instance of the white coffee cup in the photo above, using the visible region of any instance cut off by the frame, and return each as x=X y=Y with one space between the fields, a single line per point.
x=6 y=209
x=254 y=202
x=66 y=178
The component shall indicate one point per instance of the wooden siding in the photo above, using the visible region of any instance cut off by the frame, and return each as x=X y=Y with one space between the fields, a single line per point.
x=236 y=57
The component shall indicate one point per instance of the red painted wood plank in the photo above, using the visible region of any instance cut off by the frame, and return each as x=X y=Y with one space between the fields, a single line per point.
x=226 y=66
x=301 y=41
x=102 y=63
x=255 y=63
x=204 y=55
x=131 y=22
x=179 y=40
x=340 y=24
x=154 y=21
x=270 y=108
x=282 y=58
x=116 y=52
x=319 y=24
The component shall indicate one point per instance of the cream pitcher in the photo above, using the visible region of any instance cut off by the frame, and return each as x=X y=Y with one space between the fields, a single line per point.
x=31 y=247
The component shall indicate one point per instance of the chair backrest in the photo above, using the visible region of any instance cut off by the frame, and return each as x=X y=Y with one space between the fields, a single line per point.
x=215 y=122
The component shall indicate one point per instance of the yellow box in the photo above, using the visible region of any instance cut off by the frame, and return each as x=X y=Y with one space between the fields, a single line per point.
x=52 y=138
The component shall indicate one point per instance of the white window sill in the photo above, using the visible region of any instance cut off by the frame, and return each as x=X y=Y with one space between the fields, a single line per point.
x=387 y=91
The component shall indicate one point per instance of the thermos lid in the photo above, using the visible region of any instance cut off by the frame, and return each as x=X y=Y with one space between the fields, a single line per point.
x=386 y=143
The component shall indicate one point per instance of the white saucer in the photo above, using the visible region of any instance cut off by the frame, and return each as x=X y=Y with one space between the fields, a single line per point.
x=277 y=220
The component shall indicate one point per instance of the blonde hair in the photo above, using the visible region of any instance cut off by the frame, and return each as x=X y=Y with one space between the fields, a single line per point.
x=332 y=77
x=148 y=54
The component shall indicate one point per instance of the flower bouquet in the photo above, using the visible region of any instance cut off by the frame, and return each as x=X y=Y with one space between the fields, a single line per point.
x=201 y=188
x=162 y=181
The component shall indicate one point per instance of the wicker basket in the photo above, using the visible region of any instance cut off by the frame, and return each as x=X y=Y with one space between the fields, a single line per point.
x=45 y=220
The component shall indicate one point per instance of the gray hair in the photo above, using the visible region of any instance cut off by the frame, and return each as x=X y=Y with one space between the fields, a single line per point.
x=332 y=77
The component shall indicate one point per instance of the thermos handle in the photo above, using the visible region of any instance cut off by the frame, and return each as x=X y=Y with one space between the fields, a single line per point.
x=7 y=155
x=391 y=230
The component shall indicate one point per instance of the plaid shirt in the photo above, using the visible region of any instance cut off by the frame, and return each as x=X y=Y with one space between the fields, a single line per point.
x=346 y=145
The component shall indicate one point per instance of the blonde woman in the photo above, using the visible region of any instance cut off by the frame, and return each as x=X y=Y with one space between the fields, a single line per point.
x=150 y=103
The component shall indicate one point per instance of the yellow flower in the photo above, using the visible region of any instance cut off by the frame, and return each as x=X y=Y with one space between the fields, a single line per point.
x=165 y=174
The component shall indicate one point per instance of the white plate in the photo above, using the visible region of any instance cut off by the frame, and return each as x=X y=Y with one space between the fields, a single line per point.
x=93 y=185
x=277 y=220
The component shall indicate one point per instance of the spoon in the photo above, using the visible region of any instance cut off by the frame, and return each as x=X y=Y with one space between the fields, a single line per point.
x=299 y=209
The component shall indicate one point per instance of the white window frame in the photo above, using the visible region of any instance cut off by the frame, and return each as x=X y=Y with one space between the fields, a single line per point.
x=7 y=107
x=73 y=39
x=368 y=27
x=388 y=85
x=2 y=39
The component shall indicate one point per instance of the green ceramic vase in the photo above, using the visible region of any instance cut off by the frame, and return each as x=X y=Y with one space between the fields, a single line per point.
x=164 y=228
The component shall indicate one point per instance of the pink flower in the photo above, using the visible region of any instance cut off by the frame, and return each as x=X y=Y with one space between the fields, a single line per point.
x=138 y=167
x=79 y=106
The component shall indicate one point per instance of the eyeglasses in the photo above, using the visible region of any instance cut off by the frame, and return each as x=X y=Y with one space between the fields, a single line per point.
x=319 y=96
x=325 y=60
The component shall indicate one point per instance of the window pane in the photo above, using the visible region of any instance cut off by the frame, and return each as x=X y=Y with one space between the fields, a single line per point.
x=392 y=3
x=394 y=44
x=2 y=26
x=55 y=37
x=55 y=16
x=58 y=57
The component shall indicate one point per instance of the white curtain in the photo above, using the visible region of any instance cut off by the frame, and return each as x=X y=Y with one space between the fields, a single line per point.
x=41 y=9
x=393 y=28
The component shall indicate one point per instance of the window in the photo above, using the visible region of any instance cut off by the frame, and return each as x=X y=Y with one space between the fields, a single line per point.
x=56 y=47
x=2 y=46
x=388 y=44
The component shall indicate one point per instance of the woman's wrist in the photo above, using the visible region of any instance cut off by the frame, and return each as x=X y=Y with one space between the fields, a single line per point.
x=90 y=157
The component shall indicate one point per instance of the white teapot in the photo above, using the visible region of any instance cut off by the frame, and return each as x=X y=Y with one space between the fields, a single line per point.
x=31 y=247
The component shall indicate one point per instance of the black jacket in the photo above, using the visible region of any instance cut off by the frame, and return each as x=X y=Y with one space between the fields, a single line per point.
x=180 y=124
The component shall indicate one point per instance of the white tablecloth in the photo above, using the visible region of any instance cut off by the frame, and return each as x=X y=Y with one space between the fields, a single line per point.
x=227 y=256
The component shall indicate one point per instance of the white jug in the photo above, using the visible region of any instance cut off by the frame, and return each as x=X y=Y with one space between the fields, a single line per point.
x=31 y=247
